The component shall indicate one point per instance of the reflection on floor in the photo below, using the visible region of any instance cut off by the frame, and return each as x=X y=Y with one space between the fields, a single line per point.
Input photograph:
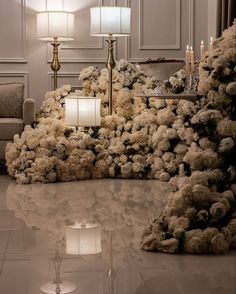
x=33 y=219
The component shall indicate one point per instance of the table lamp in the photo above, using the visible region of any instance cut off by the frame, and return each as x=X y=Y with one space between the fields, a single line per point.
x=55 y=27
x=82 y=111
x=110 y=21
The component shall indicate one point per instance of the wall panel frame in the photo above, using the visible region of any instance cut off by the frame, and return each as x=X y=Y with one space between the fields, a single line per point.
x=24 y=45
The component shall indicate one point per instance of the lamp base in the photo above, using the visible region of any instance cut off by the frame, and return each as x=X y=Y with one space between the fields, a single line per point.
x=50 y=288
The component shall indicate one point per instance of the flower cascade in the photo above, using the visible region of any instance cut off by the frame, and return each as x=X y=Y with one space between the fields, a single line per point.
x=190 y=144
x=200 y=217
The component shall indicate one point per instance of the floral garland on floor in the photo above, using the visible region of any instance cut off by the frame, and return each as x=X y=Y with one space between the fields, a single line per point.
x=190 y=144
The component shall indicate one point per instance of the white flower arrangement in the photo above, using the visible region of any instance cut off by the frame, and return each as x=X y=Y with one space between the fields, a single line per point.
x=200 y=217
x=190 y=144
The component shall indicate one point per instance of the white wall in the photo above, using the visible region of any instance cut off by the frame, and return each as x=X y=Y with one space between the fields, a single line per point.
x=160 y=28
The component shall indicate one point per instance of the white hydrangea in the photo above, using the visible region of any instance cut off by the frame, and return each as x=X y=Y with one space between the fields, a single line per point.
x=226 y=144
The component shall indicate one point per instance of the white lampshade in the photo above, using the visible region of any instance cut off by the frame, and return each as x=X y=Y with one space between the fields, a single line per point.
x=83 y=239
x=55 y=24
x=106 y=20
x=82 y=111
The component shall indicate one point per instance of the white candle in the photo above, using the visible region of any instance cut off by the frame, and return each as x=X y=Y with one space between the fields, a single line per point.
x=187 y=58
x=211 y=44
x=192 y=58
x=202 y=50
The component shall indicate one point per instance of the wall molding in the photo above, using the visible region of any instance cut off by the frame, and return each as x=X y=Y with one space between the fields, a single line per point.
x=24 y=42
x=77 y=48
x=128 y=53
x=84 y=47
x=100 y=47
x=128 y=42
x=142 y=46
x=17 y=74
x=79 y=59
x=62 y=75
x=89 y=47
x=82 y=60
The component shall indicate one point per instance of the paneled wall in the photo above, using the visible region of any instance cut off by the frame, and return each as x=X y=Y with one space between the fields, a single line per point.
x=160 y=28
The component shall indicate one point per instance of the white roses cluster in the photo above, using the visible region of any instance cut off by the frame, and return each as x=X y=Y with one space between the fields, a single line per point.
x=127 y=82
x=201 y=215
x=177 y=82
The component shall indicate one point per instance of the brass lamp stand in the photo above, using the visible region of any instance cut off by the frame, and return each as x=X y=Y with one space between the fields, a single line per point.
x=55 y=64
x=110 y=66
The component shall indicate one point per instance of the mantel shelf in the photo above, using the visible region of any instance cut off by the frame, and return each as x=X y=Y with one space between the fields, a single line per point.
x=186 y=96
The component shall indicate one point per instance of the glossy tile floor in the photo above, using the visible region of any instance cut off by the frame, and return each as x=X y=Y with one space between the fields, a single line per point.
x=33 y=219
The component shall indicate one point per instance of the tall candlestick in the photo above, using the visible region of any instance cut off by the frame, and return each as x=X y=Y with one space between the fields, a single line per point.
x=211 y=44
x=192 y=58
x=202 y=50
x=187 y=59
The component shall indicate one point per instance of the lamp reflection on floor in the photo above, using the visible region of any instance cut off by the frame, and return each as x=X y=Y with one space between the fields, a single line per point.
x=83 y=239
x=57 y=286
x=111 y=271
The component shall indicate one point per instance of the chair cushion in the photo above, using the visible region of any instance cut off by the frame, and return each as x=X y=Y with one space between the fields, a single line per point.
x=11 y=100
x=9 y=127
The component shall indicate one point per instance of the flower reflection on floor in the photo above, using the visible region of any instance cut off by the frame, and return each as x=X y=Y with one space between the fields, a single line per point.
x=122 y=206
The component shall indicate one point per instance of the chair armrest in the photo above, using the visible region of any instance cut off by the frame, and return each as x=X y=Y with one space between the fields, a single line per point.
x=28 y=111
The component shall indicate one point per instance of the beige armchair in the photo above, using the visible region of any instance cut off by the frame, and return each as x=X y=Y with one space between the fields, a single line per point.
x=15 y=113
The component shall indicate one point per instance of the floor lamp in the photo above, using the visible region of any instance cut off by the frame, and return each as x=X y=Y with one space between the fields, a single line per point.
x=55 y=27
x=110 y=21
